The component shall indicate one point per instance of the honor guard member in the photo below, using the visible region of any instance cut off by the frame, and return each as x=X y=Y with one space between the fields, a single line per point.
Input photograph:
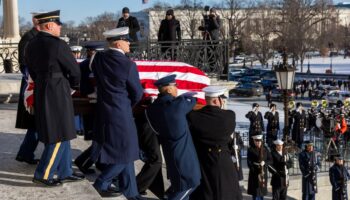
x=167 y=117
x=150 y=176
x=55 y=72
x=312 y=116
x=76 y=50
x=25 y=120
x=339 y=176
x=129 y=21
x=87 y=89
x=273 y=125
x=258 y=158
x=115 y=142
x=279 y=170
x=299 y=124
x=211 y=128
x=309 y=164
x=256 y=122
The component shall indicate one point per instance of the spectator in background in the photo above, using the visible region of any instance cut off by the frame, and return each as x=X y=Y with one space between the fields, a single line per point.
x=131 y=22
x=169 y=32
x=212 y=24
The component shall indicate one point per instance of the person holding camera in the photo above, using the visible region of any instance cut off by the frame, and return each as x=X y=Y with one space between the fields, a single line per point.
x=212 y=24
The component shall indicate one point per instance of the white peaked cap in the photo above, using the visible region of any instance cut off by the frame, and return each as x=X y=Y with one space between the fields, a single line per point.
x=215 y=91
x=257 y=137
x=76 y=48
x=114 y=33
x=278 y=142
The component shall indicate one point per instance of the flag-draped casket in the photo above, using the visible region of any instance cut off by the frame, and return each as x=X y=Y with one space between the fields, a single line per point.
x=188 y=79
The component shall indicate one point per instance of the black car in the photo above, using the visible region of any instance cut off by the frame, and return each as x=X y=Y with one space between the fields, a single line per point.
x=277 y=95
x=248 y=89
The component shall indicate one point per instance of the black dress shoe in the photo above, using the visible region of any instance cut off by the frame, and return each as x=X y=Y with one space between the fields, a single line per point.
x=108 y=193
x=73 y=178
x=29 y=161
x=143 y=193
x=84 y=169
x=48 y=183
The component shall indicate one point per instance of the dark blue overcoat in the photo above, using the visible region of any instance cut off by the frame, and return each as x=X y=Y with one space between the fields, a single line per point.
x=118 y=90
x=167 y=116
x=307 y=162
x=339 y=177
x=86 y=86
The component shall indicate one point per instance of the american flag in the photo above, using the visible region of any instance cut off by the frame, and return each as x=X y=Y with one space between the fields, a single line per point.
x=188 y=79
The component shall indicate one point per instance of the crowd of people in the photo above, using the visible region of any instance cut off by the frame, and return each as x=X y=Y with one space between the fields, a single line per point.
x=199 y=143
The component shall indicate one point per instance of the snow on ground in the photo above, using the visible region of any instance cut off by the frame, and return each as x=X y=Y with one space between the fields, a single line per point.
x=321 y=64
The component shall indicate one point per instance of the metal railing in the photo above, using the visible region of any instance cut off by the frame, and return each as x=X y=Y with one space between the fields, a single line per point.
x=209 y=56
x=9 y=58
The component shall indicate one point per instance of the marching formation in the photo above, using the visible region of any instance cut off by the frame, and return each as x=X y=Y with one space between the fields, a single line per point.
x=201 y=149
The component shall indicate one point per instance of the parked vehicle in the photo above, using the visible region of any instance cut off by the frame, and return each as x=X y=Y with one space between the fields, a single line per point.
x=277 y=95
x=248 y=89
x=333 y=96
x=250 y=79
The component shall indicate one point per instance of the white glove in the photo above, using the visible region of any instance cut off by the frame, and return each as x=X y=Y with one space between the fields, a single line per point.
x=262 y=163
x=92 y=95
x=235 y=147
x=304 y=129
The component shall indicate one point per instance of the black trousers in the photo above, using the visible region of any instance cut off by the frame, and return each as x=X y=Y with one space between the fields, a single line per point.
x=279 y=193
x=83 y=160
x=150 y=176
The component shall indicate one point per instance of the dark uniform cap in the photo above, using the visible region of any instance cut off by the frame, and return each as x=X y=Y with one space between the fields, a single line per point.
x=298 y=104
x=340 y=104
x=170 y=12
x=126 y=10
x=165 y=81
x=255 y=105
x=338 y=157
x=95 y=45
x=53 y=16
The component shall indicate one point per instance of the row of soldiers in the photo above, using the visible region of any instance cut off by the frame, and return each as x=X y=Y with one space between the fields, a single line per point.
x=277 y=162
x=300 y=121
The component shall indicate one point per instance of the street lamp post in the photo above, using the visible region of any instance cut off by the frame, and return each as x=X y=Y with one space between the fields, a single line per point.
x=285 y=76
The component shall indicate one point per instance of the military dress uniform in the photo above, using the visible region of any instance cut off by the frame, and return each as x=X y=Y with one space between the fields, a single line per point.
x=257 y=180
x=24 y=120
x=272 y=128
x=54 y=71
x=87 y=88
x=308 y=164
x=115 y=142
x=299 y=126
x=150 y=176
x=211 y=128
x=339 y=176
x=279 y=170
x=256 y=123
x=167 y=116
